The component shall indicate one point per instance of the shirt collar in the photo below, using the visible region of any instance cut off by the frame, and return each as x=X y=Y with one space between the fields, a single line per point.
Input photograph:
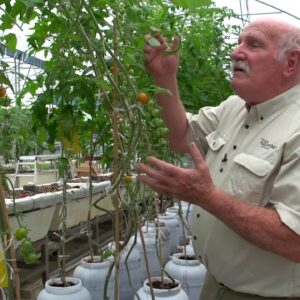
x=277 y=103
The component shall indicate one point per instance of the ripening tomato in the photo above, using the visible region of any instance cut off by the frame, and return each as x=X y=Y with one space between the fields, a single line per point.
x=2 y=91
x=114 y=69
x=143 y=98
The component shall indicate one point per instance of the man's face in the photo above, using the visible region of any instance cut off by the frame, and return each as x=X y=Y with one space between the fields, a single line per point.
x=256 y=71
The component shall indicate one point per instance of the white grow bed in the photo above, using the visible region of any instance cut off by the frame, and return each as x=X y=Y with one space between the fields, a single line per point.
x=42 y=212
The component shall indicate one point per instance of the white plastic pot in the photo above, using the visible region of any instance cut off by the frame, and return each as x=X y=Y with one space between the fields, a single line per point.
x=188 y=249
x=163 y=234
x=54 y=291
x=130 y=269
x=151 y=254
x=176 y=293
x=171 y=222
x=189 y=272
x=93 y=276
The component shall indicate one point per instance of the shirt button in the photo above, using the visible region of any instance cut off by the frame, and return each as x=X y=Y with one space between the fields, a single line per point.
x=221 y=170
x=195 y=238
x=246 y=126
x=261 y=118
x=198 y=215
x=234 y=147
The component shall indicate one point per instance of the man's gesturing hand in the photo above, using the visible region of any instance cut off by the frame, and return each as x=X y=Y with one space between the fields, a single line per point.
x=193 y=185
x=158 y=64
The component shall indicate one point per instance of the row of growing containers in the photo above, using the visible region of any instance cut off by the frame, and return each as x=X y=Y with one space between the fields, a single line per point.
x=161 y=250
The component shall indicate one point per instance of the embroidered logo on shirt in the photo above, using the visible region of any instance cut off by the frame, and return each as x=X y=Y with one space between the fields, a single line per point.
x=266 y=144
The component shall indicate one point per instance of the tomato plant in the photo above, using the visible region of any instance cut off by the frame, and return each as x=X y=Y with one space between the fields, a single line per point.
x=86 y=97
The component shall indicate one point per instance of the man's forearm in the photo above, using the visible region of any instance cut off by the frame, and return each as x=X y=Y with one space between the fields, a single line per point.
x=258 y=225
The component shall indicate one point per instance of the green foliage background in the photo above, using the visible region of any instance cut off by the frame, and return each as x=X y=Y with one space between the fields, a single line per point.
x=76 y=91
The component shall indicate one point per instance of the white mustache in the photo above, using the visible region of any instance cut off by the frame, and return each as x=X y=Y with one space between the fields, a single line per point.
x=237 y=64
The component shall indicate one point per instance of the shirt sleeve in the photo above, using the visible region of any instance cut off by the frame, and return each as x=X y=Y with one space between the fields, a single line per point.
x=200 y=125
x=205 y=122
x=285 y=197
x=288 y=216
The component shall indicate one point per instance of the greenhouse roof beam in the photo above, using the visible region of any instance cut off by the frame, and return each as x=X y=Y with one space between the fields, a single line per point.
x=22 y=56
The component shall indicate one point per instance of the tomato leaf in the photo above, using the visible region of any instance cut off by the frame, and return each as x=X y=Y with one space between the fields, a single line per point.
x=11 y=41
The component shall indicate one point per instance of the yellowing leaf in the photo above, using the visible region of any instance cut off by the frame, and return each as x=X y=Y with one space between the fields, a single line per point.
x=71 y=144
x=3 y=271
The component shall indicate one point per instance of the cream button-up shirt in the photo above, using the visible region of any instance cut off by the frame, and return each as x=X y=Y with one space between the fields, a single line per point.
x=254 y=154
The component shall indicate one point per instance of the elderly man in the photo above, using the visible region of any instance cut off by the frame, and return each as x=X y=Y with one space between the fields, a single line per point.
x=245 y=186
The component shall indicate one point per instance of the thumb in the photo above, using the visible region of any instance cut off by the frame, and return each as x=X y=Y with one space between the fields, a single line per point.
x=196 y=155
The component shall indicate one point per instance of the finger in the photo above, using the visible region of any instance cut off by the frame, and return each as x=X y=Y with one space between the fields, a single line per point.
x=162 y=45
x=151 y=52
x=155 y=174
x=147 y=37
x=165 y=167
x=162 y=40
x=196 y=155
x=154 y=185
x=148 y=49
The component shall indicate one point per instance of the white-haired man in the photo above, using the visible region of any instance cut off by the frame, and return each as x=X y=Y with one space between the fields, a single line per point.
x=245 y=186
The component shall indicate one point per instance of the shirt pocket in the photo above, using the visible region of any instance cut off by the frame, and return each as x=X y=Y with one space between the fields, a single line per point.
x=215 y=141
x=249 y=177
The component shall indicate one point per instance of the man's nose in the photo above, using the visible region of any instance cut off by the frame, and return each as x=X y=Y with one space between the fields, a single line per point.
x=238 y=53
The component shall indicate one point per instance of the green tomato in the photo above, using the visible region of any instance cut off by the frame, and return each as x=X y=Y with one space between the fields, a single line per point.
x=162 y=143
x=164 y=131
x=26 y=247
x=20 y=233
x=31 y=257
x=158 y=122
x=155 y=112
x=151 y=104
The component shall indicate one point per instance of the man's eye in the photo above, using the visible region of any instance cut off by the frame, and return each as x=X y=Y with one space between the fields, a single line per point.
x=254 y=45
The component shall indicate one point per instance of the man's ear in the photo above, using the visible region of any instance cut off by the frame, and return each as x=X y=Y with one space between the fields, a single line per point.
x=293 y=63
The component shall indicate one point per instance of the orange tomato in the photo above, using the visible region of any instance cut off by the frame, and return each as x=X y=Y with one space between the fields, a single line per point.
x=143 y=98
x=2 y=91
x=114 y=69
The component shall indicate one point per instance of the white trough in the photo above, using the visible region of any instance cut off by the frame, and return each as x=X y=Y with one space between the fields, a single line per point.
x=42 y=212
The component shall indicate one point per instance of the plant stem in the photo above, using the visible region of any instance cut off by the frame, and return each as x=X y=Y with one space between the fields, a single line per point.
x=116 y=165
x=146 y=263
x=89 y=229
